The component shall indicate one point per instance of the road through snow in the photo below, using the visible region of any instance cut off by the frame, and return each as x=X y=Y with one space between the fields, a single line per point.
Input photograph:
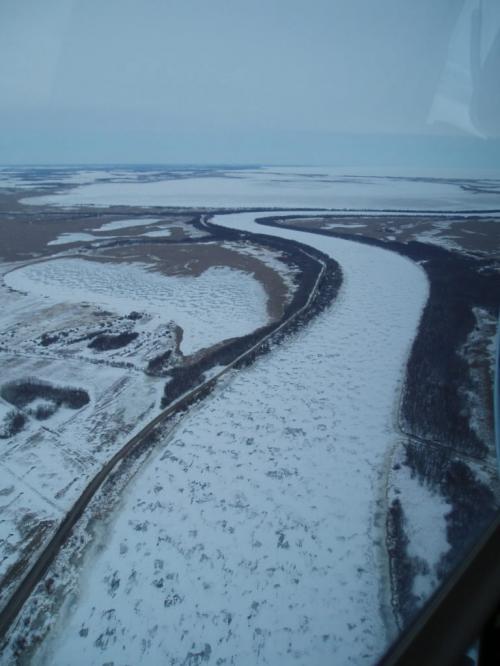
x=256 y=535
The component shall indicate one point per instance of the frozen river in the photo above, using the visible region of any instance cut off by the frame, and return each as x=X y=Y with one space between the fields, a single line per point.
x=255 y=535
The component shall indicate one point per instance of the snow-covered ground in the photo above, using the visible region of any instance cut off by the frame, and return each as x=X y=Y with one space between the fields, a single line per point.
x=16 y=177
x=68 y=237
x=28 y=178
x=425 y=525
x=239 y=299
x=324 y=187
x=123 y=226
x=441 y=235
x=44 y=468
x=256 y=537
x=163 y=232
x=46 y=335
x=127 y=224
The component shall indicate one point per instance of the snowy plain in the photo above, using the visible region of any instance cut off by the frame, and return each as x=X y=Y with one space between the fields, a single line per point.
x=127 y=224
x=322 y=187
x=48 y=177
x=44 y=467
x=239 y=299
x=257 y=536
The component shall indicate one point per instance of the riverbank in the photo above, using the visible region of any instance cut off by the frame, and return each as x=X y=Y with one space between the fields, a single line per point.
x=444 y=450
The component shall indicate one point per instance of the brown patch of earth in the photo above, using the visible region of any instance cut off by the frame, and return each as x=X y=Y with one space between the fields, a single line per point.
x=25 y=231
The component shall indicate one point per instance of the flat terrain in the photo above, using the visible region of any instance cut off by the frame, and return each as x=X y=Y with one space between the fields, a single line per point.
x=305 y=508
x=253 y=531
x=111 y=318
x=465 y=233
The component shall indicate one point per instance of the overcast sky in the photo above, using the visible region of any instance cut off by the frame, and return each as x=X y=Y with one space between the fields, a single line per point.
x=219 y=80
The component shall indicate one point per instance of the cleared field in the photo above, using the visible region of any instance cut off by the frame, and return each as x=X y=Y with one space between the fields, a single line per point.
x=237 y=298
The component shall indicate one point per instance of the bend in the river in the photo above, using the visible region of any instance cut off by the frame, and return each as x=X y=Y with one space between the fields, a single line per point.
x=268 y=492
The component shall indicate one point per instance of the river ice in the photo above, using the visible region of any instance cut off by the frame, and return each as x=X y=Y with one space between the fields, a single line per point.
x=255 y=536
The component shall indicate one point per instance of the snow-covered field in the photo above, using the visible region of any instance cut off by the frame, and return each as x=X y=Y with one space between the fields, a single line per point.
x=127 y=224
x=308 y=187
x=238 y=299
x=45 y=467
x=47 y=177
x=256 y=537
x=68 y=237
x=158 y=230
x=424 y=524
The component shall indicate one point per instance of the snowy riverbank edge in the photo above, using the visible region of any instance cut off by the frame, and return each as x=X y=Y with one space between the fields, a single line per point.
x=443 y=451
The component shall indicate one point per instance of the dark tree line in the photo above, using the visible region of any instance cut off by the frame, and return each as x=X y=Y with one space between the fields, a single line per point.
x=13 y=423
x=159 y=365
x=22 y=393
x=117 y=341
x=433 y=400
